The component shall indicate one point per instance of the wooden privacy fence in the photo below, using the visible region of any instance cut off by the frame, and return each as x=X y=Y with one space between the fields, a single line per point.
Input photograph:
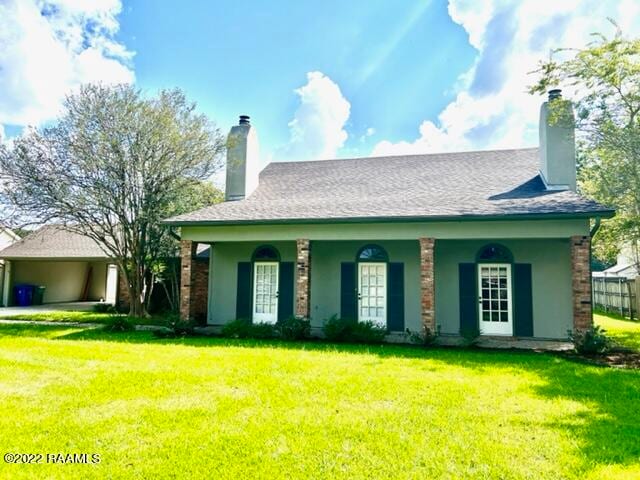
x=616 y=295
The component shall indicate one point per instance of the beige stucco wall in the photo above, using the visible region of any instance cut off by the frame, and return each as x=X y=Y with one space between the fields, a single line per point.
x=390 y=231
x=64 y=280
x=551 y=281
x=326 y=258
x=551 y=272
x=223 y=275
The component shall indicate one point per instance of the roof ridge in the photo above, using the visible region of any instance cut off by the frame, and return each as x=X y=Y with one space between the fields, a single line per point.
x=411 y=155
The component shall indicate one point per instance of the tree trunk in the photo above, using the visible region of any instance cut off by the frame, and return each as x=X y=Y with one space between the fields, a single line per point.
x=136 y=292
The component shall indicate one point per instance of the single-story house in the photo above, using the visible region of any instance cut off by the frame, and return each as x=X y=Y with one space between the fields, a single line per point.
x=70 y=266
x=497 y=241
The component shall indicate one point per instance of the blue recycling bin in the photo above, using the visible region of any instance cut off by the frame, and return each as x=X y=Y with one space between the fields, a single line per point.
x=23 y=295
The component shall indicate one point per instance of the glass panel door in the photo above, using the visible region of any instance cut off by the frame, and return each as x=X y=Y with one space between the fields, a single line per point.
x=265 y=292
x=372 y=293
x=494 y=289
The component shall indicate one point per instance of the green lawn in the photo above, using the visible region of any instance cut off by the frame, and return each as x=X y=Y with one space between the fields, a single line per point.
x=80 y=316
x=623 y=332
x=212 y=408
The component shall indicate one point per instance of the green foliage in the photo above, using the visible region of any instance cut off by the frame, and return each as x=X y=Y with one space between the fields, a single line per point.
x=112 y=167
x=347 y=330
x=245 y=328
x=470 y=335
x=426 y=337
x=293 y=328
x=176 y=328
x=606 y=75
x=591 y=341
x=119 y=323
x=104 y=308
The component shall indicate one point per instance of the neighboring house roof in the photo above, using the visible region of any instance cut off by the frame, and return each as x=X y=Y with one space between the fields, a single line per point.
x=486 y=184
x=619 y=270
x=53 y=242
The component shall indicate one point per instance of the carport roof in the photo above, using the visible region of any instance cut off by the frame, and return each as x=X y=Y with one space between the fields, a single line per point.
x=53 y=242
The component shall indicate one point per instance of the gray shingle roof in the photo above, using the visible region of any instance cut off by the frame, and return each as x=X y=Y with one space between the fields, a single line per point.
x=484 y=183
x=52 y=242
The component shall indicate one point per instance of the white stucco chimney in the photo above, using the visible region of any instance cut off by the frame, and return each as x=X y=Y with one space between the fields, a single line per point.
x=557 y=143
x=243 y=161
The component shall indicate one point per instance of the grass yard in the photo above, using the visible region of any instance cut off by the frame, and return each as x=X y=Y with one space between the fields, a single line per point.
x=81 y=316
x=212 y=408
x=623 y=332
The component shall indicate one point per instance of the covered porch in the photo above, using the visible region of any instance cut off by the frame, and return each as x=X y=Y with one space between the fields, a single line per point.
x=498 y=281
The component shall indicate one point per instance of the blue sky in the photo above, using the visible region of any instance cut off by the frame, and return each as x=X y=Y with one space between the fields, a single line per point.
x=249 y=57
x=319 y=79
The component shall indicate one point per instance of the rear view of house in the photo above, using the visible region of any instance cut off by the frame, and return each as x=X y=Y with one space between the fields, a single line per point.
x=492 y=240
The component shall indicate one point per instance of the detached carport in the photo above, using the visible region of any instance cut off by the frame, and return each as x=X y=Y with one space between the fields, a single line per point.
x=71 y=267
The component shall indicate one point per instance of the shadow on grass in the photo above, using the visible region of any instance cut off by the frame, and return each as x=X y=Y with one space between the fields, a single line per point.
x=606 y=433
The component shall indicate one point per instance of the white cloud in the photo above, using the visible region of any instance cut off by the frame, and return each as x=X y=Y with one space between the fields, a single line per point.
x=317 y=129
x=48 y=48
x=492 y=108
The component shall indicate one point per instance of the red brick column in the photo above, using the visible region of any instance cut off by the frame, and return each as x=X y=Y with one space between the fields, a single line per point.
x=187 y=254
x=427 y=284
x=200 y=289
x=581 y=282
x=303 y=278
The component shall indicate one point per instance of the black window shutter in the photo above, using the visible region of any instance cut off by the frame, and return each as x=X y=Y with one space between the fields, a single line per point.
x=395 y=298
x=468 y=296
x=522 y=300
x=244 y=296
x=348 y=301
x=285 y=290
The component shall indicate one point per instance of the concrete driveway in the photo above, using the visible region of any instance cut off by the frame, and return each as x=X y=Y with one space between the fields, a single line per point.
x=50 y=307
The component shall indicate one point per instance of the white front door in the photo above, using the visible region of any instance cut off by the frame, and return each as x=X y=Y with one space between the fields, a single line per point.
x=372 y=293
x=265 y=292
x=494 y=288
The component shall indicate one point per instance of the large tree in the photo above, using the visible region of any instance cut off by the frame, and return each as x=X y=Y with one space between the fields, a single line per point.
x=112 y=167
x=605 y=80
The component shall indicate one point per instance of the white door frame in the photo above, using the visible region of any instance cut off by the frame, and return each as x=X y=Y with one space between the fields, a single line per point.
x=381 y=321
x=495 y=327
x=271 y=317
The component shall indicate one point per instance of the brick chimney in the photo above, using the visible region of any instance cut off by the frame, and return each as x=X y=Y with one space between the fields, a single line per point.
x=242 y=160
x=557 y=143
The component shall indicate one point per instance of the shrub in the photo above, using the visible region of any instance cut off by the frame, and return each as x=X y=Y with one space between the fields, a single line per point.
x=347 y=330
x=591 y=341
x=470 y=335
x=367 y=332
x=426 y=338
x=104 y=308
x=337 y=329
x=176 y=328
x=119 y=323
x=293 y=328
x=245 y=328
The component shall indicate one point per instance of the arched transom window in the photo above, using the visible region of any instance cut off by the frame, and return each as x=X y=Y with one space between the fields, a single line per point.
x=494 y=253
x=372 y=253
